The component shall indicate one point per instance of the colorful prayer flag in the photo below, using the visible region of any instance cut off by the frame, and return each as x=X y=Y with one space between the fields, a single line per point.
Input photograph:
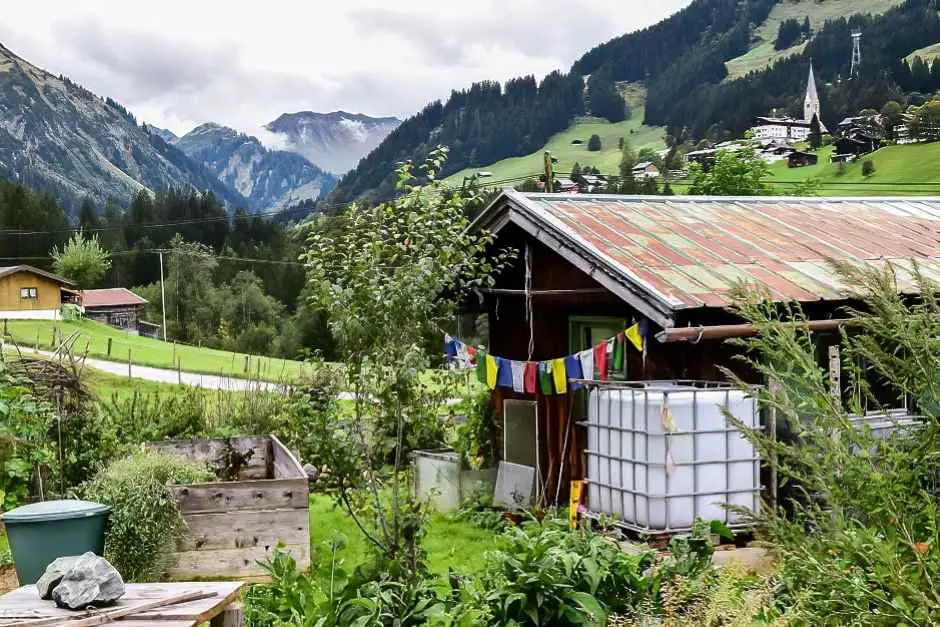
x=573 y=370
x=558 y=375
x=503 y=372
x=618 y=353
x=518 y=376
x=491 y=371
x=600 y=360
x=531 y=377
x=545 y=377
x=450 y=348
x=481 y=368
x=634 y=334
x=587 y=363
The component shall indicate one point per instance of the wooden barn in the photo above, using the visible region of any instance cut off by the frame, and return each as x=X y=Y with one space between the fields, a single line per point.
x=589 y=267
x=115 y=306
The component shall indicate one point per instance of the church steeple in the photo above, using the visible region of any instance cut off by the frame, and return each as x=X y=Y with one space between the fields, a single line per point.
x=811 y=103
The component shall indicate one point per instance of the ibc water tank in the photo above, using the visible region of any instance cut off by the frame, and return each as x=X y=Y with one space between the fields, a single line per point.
x=661 y=455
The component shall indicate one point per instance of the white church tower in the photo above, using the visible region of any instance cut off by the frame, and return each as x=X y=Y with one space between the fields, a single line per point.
x=811 y=103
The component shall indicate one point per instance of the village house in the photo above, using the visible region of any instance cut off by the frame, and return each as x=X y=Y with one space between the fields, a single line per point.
x=117 y=306
x=800 y=159
x=589 y=267
x=645 y=170
x=788 y=129
x=29 y=292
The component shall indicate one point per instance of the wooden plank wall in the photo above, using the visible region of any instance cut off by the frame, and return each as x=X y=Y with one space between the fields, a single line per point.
x=258 y=466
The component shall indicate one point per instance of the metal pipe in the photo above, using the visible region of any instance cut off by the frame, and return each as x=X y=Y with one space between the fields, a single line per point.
x=726 y=331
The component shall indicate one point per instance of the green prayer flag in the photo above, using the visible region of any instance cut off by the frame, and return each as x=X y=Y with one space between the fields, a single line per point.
x=618 y=353
x=545 y=379
x=481 y=366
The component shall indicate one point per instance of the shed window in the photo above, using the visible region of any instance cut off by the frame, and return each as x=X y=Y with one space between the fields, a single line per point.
x=29 y=292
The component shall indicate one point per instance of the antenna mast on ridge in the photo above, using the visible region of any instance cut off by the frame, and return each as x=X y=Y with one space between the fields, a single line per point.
x=856 y=54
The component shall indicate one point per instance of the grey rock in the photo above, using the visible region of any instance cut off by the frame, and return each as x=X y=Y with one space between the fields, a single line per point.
x=54 y=574
x=90 y=581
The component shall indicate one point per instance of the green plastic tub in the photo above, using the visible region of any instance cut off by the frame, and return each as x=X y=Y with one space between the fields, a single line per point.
x=42 y=532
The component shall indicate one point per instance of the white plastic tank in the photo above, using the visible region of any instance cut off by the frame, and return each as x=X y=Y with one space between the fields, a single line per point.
x=661 y=455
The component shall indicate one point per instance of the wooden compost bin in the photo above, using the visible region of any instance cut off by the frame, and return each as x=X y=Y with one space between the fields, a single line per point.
x=234 y=524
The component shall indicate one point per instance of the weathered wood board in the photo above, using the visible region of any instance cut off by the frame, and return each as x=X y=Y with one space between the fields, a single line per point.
x=24 y=603
x=232 y=525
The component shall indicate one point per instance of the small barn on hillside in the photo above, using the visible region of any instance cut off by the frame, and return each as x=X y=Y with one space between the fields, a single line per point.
x=29 y=292
x=589 y=267
x=115 y=306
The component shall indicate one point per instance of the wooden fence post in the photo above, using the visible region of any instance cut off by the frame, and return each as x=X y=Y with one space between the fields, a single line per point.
x=174 y=351
x=179 y=371
x=37 y=341
x=109 y=346
x=128 y=363
x=246 y=363
x=5 y=332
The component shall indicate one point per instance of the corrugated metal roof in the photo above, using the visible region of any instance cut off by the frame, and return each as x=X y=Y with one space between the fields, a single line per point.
x=688 y=251
x=111 y=297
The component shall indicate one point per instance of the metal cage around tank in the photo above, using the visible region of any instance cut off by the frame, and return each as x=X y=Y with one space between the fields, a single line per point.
x=662 y=453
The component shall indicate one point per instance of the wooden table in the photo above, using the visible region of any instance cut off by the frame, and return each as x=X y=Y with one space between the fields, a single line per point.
x=24 y=604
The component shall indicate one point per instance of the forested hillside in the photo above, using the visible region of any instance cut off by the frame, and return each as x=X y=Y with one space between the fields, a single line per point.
x=232 y=281
x=480 y=125
x=683 y=62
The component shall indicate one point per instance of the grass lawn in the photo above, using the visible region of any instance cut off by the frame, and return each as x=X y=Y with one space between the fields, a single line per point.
x=763 y=55
x=150 y=352
x=927 y=53
x=898 y=170
x=607 y=160
x=106 y=385
x=449 y=543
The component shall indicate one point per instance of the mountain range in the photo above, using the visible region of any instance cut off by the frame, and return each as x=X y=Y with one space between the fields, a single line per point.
x=335 y=141
x=269 y=179
x=57 y=136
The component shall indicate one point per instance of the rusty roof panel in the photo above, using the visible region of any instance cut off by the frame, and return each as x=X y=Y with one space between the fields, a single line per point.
x=690 y=251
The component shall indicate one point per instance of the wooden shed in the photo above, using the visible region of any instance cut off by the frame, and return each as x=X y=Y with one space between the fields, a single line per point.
x=237 y=523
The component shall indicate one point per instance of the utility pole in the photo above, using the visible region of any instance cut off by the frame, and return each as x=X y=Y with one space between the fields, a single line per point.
x=549 y=173
x=162 y=296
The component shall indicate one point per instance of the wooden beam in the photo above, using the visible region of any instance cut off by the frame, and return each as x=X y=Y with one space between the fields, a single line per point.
x=726 y=331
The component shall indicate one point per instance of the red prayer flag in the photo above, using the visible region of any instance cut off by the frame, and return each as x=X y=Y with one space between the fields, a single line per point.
x=530 y=377
x=600 y=360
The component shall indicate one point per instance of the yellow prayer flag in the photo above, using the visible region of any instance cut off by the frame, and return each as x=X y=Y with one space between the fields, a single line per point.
x=636 y=338
x=491 y=372
x=559 y=375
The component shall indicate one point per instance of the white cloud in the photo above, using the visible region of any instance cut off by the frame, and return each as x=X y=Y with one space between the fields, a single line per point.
x=179 y=63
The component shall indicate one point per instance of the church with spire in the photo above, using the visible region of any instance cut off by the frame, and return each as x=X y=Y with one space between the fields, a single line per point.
x=811 y=106
x=789 y=129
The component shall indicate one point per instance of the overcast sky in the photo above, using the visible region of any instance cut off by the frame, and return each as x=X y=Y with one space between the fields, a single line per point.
x=177 y=63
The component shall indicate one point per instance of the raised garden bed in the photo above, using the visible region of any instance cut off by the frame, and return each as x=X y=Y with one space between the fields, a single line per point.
x=261 y=501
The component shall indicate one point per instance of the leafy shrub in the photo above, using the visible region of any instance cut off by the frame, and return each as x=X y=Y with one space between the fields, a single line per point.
x=857 y=531
x=594 y=143
x=368 y=597
x=144 y=417
x=549 y=575
x=145 y=522
x=868 y=167
x=476 y=438
x=25 y=421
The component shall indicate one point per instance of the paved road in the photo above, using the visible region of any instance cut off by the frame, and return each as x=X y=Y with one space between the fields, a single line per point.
x=165 y=375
